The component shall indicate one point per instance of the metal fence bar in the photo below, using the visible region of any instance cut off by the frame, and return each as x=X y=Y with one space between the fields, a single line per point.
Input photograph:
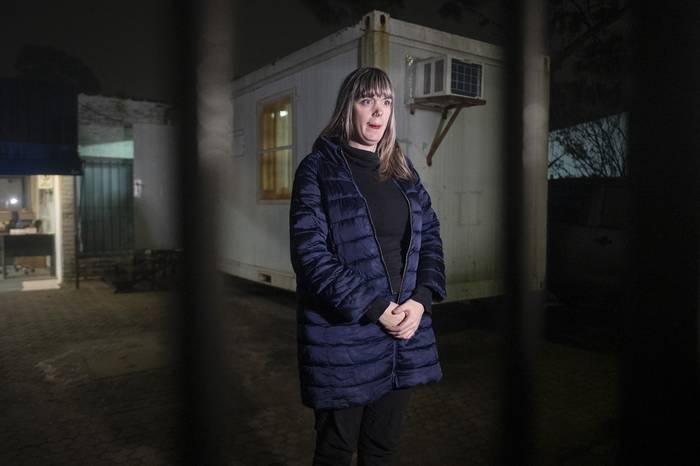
x=523 y=299
x=660 y=383
x=206 y=44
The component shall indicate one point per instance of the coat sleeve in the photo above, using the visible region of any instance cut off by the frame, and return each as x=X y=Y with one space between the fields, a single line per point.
x=431 y=264
x=344 y=293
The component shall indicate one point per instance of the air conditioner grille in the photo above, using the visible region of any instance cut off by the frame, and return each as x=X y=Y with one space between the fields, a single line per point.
x=466 y=78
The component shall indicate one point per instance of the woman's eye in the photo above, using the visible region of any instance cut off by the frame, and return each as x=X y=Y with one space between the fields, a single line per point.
x=387 y=102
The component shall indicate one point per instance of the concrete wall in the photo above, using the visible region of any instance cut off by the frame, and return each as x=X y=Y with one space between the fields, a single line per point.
x=156 y=219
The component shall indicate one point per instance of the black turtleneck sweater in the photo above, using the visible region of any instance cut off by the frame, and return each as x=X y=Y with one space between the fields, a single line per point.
x=389 y=213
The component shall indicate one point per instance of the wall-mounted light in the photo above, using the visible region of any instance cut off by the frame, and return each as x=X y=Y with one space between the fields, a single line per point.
x=283 y=113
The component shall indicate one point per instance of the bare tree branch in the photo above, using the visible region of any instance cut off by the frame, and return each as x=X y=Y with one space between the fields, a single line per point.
x=591 y=149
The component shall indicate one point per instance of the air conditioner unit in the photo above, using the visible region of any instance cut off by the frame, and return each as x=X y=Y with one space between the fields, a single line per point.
x=447 y=75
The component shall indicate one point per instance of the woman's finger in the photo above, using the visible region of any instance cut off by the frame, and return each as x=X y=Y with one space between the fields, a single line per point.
x=407 y=333
x=409 y=321
x=407 y=327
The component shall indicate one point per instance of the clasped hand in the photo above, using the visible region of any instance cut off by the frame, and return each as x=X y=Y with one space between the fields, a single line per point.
x=402 y=320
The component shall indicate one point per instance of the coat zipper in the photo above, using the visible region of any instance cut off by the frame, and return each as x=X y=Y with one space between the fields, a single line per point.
x=394 y=381
x=410 y=239
x=394 y=377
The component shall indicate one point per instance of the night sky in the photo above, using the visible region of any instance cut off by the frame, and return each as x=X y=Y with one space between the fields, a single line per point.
x=129 y=45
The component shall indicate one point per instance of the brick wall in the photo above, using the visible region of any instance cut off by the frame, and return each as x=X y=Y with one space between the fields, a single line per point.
x=113 y=111
x=98 y=266
x=68 y=225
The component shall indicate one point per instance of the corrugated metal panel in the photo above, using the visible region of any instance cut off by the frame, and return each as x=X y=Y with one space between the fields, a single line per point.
x=105 y=206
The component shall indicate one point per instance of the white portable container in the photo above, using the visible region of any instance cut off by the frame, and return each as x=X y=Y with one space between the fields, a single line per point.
x=461 y=108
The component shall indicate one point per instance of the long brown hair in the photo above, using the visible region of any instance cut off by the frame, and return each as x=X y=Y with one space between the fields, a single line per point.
x=362 y=83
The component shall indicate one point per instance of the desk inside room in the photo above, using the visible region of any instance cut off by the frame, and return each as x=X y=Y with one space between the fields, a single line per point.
x=24 y=245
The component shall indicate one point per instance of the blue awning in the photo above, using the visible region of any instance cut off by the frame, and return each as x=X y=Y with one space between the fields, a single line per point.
x=38 y=129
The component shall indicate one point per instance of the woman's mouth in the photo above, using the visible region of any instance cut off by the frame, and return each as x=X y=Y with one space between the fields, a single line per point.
x=374 y=126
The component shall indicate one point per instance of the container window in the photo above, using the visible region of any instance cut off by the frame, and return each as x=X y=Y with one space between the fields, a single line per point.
x=276 y=154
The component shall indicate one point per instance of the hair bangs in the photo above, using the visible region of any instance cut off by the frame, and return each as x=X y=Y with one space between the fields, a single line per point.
x=373 y=84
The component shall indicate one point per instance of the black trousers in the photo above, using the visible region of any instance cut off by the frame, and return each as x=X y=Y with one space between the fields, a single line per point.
x=373 y=430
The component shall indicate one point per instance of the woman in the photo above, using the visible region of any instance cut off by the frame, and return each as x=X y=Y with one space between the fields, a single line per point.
x=366 y=249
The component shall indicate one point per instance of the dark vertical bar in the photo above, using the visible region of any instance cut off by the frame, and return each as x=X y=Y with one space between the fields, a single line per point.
x=660 y=383
x=206 y=130
x=90 y=193
x=113 y=205
x=130 y=207
x=109 y=204
x=126 y=211
x=108 y=169
x=523 y=298
x=191 y=447
x=517 y=447
x=92 y=217
x=99 y=219
x=103 y=205
x=76 y=226
x=120 y=207
x=127 y=182
x=87 y=209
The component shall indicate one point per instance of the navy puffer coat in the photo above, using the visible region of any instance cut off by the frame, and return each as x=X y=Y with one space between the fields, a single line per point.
x=345 y=359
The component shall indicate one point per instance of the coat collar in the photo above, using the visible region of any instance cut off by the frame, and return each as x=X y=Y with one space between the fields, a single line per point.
x=331 y=148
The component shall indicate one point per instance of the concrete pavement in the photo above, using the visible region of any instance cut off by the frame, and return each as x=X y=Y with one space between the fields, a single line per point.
x=89 y=377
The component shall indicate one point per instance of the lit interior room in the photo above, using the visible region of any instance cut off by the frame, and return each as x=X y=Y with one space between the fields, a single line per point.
x=27 y=227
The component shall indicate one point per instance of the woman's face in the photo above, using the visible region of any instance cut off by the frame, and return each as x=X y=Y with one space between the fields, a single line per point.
x=370 y=117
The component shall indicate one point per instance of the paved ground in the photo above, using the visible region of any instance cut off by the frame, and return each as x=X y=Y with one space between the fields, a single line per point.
x=88 y=377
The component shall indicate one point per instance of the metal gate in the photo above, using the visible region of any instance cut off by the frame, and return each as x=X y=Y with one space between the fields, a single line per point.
x=105 y=206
